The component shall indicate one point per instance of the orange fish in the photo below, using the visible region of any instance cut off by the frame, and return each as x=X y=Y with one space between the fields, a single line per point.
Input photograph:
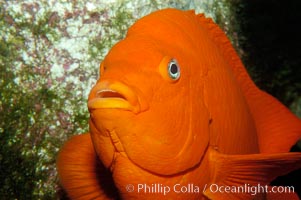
x=175 y=115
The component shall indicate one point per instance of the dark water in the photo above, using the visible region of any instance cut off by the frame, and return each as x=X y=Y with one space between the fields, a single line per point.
x=271 y=39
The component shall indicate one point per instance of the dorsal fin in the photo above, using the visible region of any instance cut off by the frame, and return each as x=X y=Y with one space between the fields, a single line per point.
x=228 y=52
x=277 y=128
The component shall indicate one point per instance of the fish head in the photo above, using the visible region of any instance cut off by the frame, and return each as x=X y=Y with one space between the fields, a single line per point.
x=148 y=104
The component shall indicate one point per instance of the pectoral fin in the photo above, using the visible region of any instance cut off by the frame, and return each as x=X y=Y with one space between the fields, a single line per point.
x=81 y=174
x=243 y=173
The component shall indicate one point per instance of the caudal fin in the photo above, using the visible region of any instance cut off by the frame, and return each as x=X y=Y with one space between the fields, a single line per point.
x=277 y=127
x=81 y=174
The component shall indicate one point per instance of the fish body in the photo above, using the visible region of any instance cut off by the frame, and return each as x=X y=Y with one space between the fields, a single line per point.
x=175 y=107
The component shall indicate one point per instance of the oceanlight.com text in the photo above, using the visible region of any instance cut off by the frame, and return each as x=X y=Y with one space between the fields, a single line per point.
x=250 y=189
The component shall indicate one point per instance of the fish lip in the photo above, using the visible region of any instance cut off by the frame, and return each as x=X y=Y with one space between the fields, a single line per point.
x=116 y=95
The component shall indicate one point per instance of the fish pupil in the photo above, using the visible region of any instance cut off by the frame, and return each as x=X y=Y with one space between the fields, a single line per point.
x=174 y=68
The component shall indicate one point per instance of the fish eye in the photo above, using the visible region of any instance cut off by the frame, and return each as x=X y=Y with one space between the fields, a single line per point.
x=174 y=69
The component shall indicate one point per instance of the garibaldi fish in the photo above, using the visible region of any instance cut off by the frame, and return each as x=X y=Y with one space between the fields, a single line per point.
x=173 y=113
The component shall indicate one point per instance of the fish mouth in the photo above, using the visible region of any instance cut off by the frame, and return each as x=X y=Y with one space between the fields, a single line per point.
x=116 y=95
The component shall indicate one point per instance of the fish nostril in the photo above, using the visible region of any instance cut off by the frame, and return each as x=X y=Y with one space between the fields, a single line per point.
x=109 y=94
